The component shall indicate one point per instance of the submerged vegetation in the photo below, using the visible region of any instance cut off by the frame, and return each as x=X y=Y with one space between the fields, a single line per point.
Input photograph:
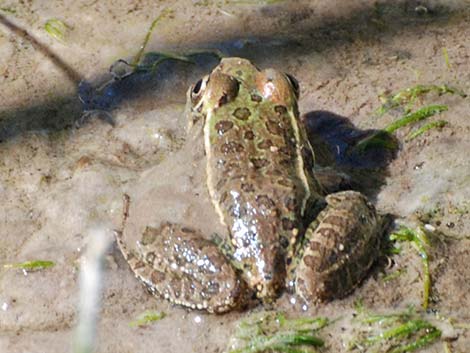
x=418 y=239
x=416 y=116
x=407 y=97
x=426 y=127
x=163 y=15
x=393 y=333
x=405 y=100
x=34 y=265
x=147 y=318
x=401 y=331
x=274 y=332
x=57 y=29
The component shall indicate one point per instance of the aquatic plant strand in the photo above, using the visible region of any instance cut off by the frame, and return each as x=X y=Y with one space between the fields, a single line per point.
x=408 y=96
x=147 y=318
x=273 y=332
x=433 y=125
x=31 y=265
x=401 y=332
x=165 y=13
x=419 y=241
x=413 y=117
x=56 y=29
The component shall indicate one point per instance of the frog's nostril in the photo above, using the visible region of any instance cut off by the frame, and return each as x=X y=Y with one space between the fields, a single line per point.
x=268 y=277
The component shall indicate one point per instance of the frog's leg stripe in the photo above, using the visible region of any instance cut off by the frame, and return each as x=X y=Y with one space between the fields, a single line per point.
x=299 y=159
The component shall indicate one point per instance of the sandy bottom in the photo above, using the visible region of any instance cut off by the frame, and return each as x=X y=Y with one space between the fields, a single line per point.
x=58 y=182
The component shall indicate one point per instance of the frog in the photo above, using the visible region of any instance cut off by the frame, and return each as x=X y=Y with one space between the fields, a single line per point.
x=281 y=230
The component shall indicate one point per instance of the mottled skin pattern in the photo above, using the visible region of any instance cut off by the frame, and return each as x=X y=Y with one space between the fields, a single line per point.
x=171 y=252
x=259 y=177
x=338 y=248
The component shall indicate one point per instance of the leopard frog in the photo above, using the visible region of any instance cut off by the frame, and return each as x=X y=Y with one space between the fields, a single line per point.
x=281 y=228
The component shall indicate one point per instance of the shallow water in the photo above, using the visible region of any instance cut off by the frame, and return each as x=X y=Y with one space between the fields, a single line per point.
x=58 y=182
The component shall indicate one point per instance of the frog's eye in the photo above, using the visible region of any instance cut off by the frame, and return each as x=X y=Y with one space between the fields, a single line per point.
x=294 y=83
x=198 y=89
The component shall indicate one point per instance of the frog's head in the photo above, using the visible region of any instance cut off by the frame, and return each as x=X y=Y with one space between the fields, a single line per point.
x=236 y=81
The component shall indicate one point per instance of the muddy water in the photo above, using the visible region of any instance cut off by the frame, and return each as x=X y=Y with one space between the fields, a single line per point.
x=58 y=182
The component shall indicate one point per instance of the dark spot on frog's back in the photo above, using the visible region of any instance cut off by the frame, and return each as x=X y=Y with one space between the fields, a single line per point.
x=265 y=144
x=223 y=126
x=287 y=224
x=280 y=109
x=249 y=135
x=256 y=98
x=259 y=163
x=242 y=113
x=231 y=147
x=273 y=127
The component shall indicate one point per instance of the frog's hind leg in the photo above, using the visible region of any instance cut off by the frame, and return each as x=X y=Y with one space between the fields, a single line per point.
x=339 y=247
x=180 y=265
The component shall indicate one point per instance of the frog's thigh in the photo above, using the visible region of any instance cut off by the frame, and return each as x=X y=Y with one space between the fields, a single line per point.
x=339 y=249
x=179 y=264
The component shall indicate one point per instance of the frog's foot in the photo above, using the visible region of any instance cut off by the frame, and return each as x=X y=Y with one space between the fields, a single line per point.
x=339 y=248
x=180 y=265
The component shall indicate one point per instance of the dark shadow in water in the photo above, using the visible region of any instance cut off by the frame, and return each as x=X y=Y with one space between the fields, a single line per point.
x=374 y=23
x=98 y=99
x=345 y=161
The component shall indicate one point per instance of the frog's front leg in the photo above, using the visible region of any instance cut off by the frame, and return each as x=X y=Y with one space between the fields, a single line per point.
x=339 y=247
x=180 y=265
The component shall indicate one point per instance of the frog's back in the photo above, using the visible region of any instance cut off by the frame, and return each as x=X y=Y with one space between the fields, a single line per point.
x=256 y=175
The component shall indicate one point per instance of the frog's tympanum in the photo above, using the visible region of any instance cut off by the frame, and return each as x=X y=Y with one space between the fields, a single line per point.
x=282 y=230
